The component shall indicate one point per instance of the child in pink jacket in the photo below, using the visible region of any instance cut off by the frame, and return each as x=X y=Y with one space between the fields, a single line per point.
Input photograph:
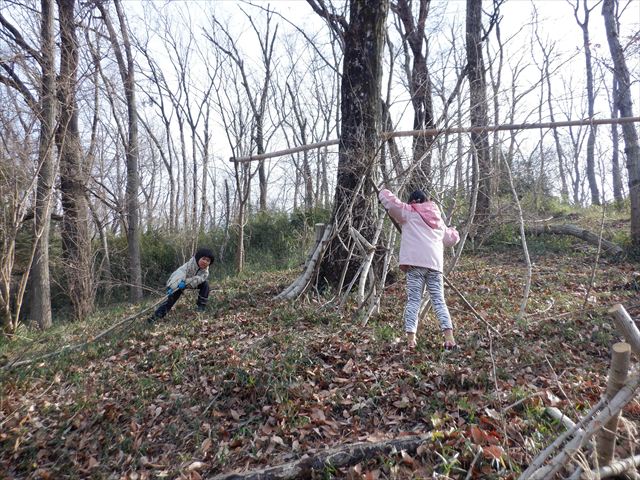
x=424 y=236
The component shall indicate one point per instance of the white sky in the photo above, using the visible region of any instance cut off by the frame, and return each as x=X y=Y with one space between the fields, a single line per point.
x=556 y=23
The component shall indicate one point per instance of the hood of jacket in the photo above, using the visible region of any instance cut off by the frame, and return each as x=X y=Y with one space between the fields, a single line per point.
x=429 y=212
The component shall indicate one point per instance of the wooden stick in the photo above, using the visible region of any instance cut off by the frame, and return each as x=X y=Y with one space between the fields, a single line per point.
x=557 y=414
x=68 y=348
x=612 y=408
x=618 y=372
x=339 y=457
x=617 y=468
x=538 y=461
x=626 y=326
x=470 y=307
x=301 y=282
x=434 y=132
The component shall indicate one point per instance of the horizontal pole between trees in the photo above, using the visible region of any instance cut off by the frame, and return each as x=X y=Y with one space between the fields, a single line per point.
x=433 y=132
x=288 y=151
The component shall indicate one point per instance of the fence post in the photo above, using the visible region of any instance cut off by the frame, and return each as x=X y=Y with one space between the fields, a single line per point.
x=606 y=438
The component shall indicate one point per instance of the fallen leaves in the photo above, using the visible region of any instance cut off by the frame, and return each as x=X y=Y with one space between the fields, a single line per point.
x=245 y=389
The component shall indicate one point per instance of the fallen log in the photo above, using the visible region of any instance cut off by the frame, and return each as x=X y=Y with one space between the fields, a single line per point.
x=608 y=248
x=338 y=457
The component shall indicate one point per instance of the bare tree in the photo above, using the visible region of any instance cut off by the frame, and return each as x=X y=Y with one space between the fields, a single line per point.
x=412 y=31
x=164 y=143
x=616 y=173
x=625 y=107
x=74 y=172
x=360 y=125
x=236 y=120
x=17 y=184
x=257 y=96
x=547 y=52
x=478 y=110
x=591 y=140
x=126 y=69
x=45 y=110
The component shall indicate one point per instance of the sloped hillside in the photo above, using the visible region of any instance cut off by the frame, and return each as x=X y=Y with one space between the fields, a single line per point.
x=252 y=384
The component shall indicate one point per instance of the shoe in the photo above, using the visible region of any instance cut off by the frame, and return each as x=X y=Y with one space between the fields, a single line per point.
x=451 y=347
x=411 y=341
x=154 y=318
x=201 y=308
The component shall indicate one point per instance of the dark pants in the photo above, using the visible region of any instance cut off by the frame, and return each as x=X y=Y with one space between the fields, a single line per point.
x=203 y=296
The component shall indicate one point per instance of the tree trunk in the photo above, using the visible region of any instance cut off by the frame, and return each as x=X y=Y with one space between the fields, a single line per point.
x=616 y=174
x=131 y=148
x=478 y=109
x=133 y=180
x=40 y=281
x=564 y=189
x=358 y=148
x=624 y=102
x=419 y=88
x=591 y=139
x=76 y=242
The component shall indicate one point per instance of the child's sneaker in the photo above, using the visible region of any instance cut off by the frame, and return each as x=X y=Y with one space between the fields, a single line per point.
x=449 y=342
x=154 y=318
x=451 y=346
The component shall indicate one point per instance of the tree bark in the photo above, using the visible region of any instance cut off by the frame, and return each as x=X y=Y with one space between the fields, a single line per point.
x=591 y=139
x=616 y=174
x=478 y=110
x=358 y=148
x=126 y=69
x=40 y=281
x=624 y=103
x=419 y=86
x=74 y=175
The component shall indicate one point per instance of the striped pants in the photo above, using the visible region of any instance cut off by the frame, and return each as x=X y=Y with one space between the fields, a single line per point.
x=416 y=279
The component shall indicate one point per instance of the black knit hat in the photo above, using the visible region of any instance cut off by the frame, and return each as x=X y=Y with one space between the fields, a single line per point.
x=204 y=252
x=418 y=196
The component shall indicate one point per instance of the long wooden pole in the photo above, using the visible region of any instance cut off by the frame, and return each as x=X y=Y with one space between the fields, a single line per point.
x=433 y=132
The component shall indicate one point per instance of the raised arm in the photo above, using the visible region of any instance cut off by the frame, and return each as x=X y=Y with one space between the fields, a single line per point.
x=396 y=208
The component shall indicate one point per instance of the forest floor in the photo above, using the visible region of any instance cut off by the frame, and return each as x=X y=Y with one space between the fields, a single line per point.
x=252 y=383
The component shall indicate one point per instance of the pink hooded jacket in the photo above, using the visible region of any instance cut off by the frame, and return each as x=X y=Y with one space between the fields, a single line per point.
x=424 y=234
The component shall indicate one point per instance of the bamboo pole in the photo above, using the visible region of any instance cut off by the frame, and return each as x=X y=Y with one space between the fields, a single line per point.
x=434 y=132
x=617 y=468
x=612 y=408
x=286 y=151
x=618 y=372
x=626 y=326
